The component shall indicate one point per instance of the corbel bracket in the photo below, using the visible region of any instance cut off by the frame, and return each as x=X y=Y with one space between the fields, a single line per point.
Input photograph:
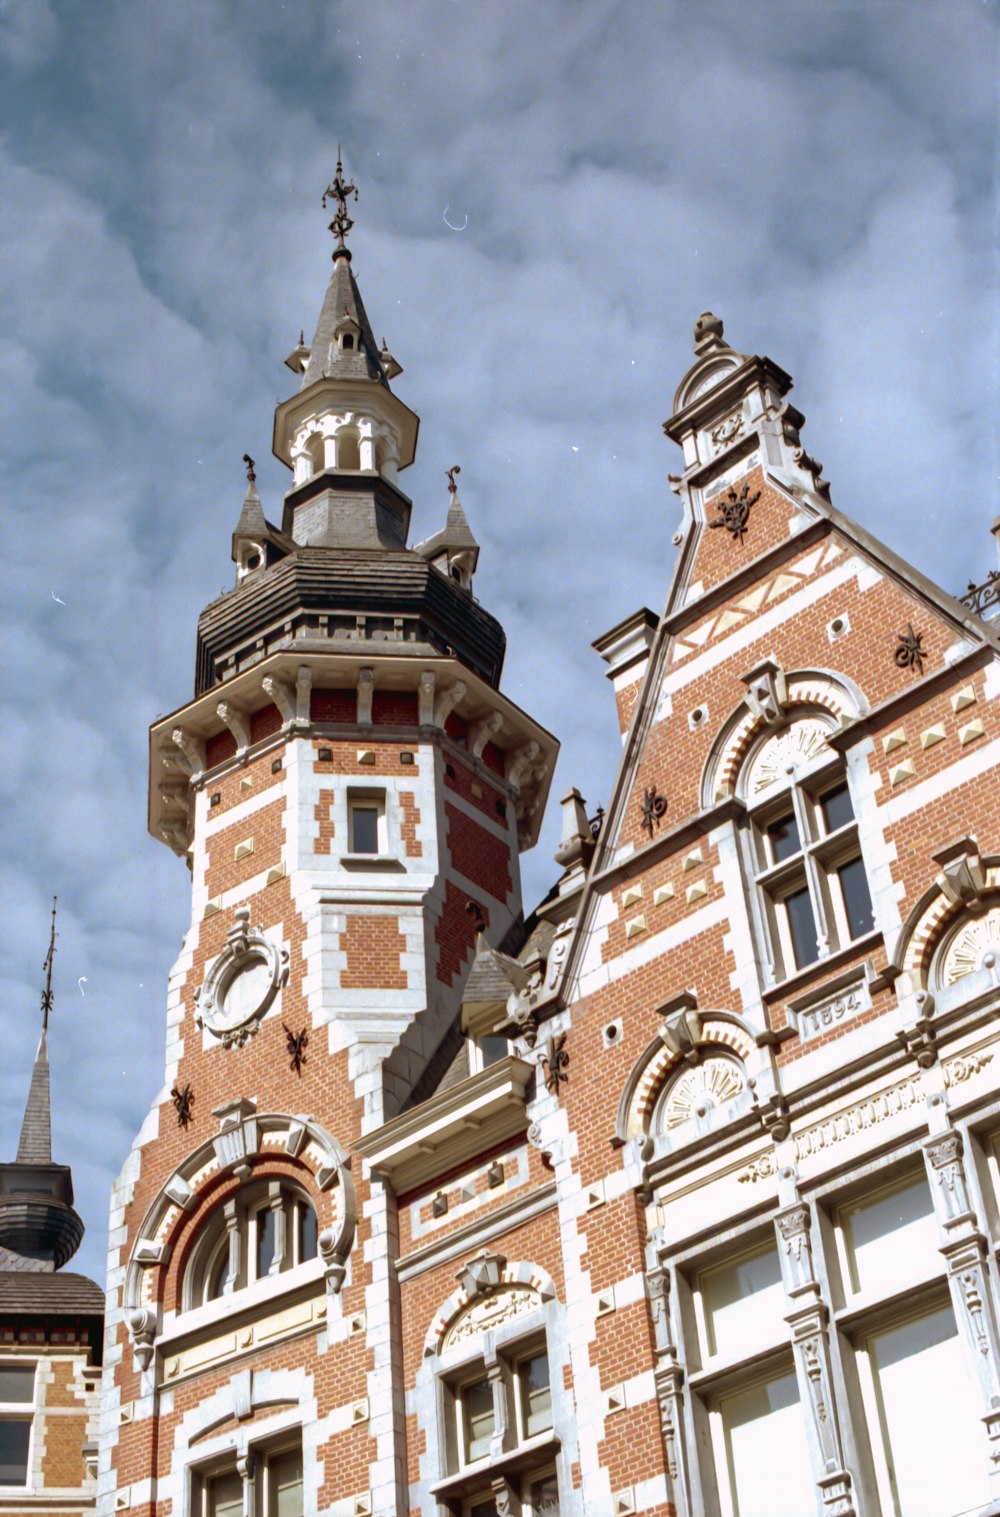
x=767 y=691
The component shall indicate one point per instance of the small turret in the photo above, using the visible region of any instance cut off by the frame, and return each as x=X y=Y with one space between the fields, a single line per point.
x=454 y=550
x=256 y=543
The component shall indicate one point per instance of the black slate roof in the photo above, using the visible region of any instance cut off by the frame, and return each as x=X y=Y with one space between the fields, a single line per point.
x=49 y=1294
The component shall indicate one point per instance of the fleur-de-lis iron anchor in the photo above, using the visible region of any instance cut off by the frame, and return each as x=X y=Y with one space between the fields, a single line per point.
x=555 y=1060
x=183 y=1100
x=909 y=651
x=297 y=1044
x=654 y=808
x=477 y=914
x=734 y=511
x=339 y=190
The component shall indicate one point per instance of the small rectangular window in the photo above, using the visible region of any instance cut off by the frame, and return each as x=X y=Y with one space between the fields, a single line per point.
x=798 y=911
x=284 y=1484
x=476 y=1399
x=15 y=1440
x=857 y=900
x=265 y=1229
x=488 y=1048
x=757 y=1433
x=366 y=822
x=890 y=1238
x=17 y=1383
x=836 y=808
x=536 y=1394
x=783 y=838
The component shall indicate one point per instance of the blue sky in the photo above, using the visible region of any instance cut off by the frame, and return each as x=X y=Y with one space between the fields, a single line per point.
x=823 y=175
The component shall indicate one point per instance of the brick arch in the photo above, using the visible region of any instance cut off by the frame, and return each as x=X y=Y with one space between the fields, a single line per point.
x=529 y=1276
x=930 y=922
x=810 y=690
x=655 y=1066
x=194 y=1189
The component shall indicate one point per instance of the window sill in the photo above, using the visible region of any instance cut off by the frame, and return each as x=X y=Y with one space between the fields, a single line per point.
x=538 y=1450
x=386 y=862
x=250 y=1299
x=828 y=966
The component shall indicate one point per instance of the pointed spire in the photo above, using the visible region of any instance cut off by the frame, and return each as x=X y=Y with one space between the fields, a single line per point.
x=35 y=1145
x=340 y=191
x=454 y=549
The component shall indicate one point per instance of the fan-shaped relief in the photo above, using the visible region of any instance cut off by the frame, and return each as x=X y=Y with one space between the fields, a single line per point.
x=492 y=1292
x=281 y=1218
x=669 y=1087
x=953 y=930
x=972 y=944
x=241 y=983
x=763 y=745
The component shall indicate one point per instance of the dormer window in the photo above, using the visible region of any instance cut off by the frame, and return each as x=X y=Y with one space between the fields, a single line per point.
x=347 y=341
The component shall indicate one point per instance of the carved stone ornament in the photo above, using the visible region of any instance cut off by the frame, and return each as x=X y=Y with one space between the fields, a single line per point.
x=975 y=945
x=724 y=432
x=786 y=754
x=767 y=691
x=487 y=1313
x=962 y=879
x=698 y=1090
x=242 y=983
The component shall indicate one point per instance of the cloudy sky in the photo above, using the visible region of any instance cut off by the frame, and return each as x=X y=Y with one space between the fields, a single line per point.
x=550 y=193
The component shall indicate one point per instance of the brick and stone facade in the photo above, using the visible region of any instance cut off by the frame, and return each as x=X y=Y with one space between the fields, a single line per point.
x=680 y=1197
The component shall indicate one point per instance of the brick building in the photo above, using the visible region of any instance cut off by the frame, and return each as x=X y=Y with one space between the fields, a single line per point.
x=678 y=1195
x=50 y=1321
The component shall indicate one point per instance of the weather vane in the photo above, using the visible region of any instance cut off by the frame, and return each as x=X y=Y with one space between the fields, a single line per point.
x=341 y=192
x=47 y=966
x=452 y=487
x=251 y=468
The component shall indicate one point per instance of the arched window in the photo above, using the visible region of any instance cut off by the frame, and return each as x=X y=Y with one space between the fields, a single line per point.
x=267 y=1228
x=805 y=853
x=316 y=449
x=348 y=448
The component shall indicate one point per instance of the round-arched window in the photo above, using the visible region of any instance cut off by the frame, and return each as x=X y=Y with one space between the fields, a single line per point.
x=269 y=1227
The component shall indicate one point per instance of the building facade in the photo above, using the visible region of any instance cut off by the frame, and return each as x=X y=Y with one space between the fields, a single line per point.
x=680 y=1195
x=51 y=1321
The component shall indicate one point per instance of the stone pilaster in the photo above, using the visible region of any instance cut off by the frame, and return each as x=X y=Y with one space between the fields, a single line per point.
x=808 y=1317
x=668 y=1377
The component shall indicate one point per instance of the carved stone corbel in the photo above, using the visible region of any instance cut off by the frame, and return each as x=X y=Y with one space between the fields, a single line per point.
x=447 y=700
x=480 y=732
x=283 y=696
x=238 y=722
x=192 y=749
x=962 y=879
x=918 y=1034
x=681 y=1026
x=518 y=760
x=334 y=1260
x=366 y=692
x=767 y=691
x=425 y=698
x=142 y=1325
x=483 y=1274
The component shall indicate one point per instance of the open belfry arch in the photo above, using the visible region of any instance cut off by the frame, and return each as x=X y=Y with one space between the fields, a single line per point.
x=677 y=1195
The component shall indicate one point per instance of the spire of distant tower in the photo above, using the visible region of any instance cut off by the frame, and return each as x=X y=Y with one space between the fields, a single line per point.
x=340 y=191
x=35 y=1145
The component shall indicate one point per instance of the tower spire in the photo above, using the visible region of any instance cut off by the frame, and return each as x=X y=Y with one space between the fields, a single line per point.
x=340 y=191
x=35 y=1145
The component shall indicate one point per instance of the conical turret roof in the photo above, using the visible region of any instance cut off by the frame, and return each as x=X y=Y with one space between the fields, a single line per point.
x=343 y=309
x=35 y=1145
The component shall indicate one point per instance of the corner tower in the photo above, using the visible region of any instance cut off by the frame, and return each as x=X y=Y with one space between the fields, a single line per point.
x=350 y=791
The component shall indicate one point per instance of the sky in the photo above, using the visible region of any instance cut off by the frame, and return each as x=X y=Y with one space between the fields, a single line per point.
x=551 y=192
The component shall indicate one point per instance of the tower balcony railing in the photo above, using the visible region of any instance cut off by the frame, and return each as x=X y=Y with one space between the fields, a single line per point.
x=984 y=599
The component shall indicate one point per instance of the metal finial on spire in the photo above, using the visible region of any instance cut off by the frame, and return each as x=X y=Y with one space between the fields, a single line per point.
x=340 y=191
x=251 y=469
x=47 y=993
x=452 y=487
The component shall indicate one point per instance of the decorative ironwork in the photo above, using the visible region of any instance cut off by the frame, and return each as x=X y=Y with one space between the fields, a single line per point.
x=596 y=823
x=477 y=914
x=183 y=1100
x=452 y=487
x=909 y=653
x=251 y=469
x=980 y=598
x=340 y=191
x=555 y=1060
x=297 y=1044
x=734 y=511
x=654 y=808
x=47 y=993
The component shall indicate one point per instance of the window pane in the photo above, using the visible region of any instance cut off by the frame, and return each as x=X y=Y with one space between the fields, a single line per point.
x=284 y=1484
x=857 y=901
x=927 y=1401
x=492 y=1048
x=307 y=1232
x=536 y=1396
x=14 y=1438
x=801 y=926
x=482 y=1509
x=364 y=829
x=265 y=1240
x=744 y=1304
x=767 y=1459
x=477 y=1413
x=218 y=1273
x=17 y=1382
x=784 y=838
x=543 y=1497
x=891 y=1237
x=836 y=808
x=225 y=1495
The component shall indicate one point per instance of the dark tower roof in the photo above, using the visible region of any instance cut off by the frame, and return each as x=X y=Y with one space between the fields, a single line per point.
x=343 y=309
x=35 y=1146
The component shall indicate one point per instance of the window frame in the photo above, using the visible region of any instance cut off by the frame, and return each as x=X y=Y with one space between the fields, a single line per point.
x=260 y=1458
x=239 y=1214
x=21 y=1412
x=813 y=866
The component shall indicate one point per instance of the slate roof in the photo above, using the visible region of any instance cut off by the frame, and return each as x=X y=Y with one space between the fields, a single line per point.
x=326 y=360
x=456 y=533
x=35 y=1145
x=60 y=1294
